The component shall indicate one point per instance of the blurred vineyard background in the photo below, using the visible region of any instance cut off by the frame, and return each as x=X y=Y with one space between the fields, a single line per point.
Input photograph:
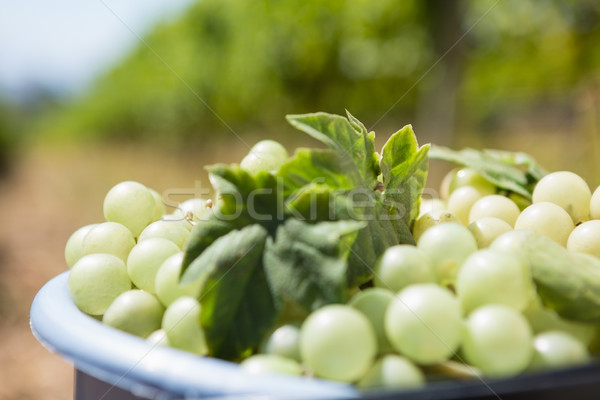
x=509 y=74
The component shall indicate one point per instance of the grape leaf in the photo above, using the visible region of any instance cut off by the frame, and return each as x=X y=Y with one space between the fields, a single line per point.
x=515 y=172
x=348 y=138
x=237 y=305
x=306 y=263
x=567 y=282
x=404 y=167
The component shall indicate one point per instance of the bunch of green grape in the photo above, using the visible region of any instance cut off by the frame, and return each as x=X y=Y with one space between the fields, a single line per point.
x=459 y=303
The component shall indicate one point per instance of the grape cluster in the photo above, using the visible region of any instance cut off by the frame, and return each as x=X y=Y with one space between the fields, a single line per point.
x=125 y=271
x=459 y=301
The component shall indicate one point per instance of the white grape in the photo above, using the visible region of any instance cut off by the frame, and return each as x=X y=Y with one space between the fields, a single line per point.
x=74 y=246
x=269 y=146
x=160 y=208
x=567 y=190
x=556 y=349
x=392 y=371
x=447 y=246
x=271 y=364
x=585 y=238
x=486 y=230
x=498 y=341
x=494 y=277
x=400 y=266
x=547 y=219
x=461 y=201
x=373 y=303
x=158 y=338
x=424 y=323
x=108 y=237
x=284 y=341
x=136 y=312
x=146 y=258
x=469 y=177
x=181 y=322
x=171 y=230
x=167 y=282
x=431 y=206
x=595 y=204
x=338 y=342
x=196 y=208
x=266 y=155
x=96 y=280
x=427 y=220
x=497 y=206
x=130 y=204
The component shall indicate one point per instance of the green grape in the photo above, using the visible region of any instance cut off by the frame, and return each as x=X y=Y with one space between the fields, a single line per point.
x=136 y=312
x=338 y=342
x=181 y=322
x=568 y=191
x=547 y=219
x=271 y=364
x=167 y=284
x=108 y=237
x=171 y=230
x=74 y=246
x=400 y=266
x=584 y=238
x=255 y=162
x=595 y=204
x=461 y=200
x=424 y=323
x=160 y=209
x=145 y=259
x=486 y=230
x=273 y=147
x=556 y=349
x=431 y=206
x=447 y=246
x=130 y=204
x=511 y=241
x=542 y=319
x=373 y=303
x=469 y=177
x=178 y=218
x=196 y=208
x=445 y=184
x=392 y=371
x=158 y=338
x=96 y=280
x=494 y=277
x=285 y=342
x=498 y=341
x=426 y=221
x=266 y=155
x=495 y=206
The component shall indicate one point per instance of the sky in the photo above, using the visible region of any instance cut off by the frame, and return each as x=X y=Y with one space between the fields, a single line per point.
x=62 y=45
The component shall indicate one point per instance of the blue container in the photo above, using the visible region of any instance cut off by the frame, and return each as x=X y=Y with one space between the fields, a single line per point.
x=113 y=365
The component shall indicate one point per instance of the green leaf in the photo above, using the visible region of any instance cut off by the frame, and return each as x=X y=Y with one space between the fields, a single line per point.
x=246 y=198
x=348 y=139
x=383 y=229
x=404 y=168
x=203 y=235
x=313 y=166
x=306 y=263
x=567 y=282
x=237 y=305
x=515 y=172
